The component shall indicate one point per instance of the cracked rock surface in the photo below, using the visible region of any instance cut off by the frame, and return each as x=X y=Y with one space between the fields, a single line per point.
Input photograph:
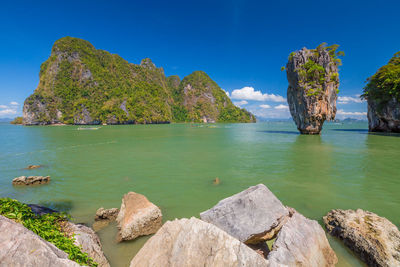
x=22 y=247
x=192 y=242
x=375 y=239
x=256 y=215
x=252 y=216
x=137 y=217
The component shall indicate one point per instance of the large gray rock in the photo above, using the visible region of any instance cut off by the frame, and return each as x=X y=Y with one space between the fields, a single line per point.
x=384 y=118
x=255 y=216
x=301 y=242
x=192 y=242
x=311 y=101
x=375 y=239
x=87 y=239
x=21 y=247
x=137 y=217
x=252 y=216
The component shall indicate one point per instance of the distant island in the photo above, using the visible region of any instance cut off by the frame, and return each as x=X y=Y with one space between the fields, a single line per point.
x=383 y=94
x=83 y=85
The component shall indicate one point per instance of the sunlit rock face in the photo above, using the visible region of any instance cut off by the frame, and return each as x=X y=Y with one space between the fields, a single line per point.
x=313 y=86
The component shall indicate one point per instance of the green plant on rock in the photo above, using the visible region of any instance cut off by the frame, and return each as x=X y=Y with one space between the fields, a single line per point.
x=313 y=75
x=47 y=226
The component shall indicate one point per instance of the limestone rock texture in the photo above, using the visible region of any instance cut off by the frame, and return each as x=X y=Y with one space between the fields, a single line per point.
x=252 y=216
x=375 y=239
x=21 y=247
x=301 y=242
x=106 y=214
x=31 y=180
x=87 y=239
x=195 y=243
x=313 y=86
x=256 y=215
x=206 y=102
x=137 y=217
x=385 y=118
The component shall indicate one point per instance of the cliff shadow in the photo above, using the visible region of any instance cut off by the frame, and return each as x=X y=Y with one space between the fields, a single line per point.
x=280 y=132
x=366 y=131
x=363 y=131
x=58 y=205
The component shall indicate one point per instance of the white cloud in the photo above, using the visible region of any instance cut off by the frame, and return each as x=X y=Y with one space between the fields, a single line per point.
x=348 y=113
x=226 y=92
x=349 y=99
x=8 y=111
x=241 y=103
x=271 y=113
x=281 y=106
x=248 y=93
x=265 y=106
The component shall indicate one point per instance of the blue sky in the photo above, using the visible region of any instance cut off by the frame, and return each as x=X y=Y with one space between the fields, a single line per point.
x=240 y=44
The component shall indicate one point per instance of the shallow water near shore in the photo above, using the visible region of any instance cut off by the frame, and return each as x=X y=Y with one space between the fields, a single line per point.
x=174 y=166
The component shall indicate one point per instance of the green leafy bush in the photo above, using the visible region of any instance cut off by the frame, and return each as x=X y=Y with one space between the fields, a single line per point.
x=385 y=83
x=46 y=226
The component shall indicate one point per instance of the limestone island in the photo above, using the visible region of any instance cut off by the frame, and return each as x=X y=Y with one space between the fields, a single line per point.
x=383 y=95
x=313 y=86
x=79 y=84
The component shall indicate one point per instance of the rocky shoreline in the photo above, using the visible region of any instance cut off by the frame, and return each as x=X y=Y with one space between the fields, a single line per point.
x=237 y=231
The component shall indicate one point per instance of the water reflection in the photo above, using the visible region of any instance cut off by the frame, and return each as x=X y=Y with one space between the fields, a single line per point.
x=382 y=176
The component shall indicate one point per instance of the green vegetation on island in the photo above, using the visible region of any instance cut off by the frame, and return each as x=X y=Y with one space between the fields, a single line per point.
x=204 y=100
x=313 y=74
x=384 y=85
x=82 y=85
x=47 y=226
x=17 y=120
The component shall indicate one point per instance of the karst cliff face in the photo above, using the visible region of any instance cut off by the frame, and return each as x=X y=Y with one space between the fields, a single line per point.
x=313 y=86
x=80 y=84
x=384 y=118
x=383 y=95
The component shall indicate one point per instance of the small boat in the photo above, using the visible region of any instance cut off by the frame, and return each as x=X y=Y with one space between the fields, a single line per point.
x=88 y=128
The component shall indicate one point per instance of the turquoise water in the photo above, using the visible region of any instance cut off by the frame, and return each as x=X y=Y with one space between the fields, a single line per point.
x=174 y=166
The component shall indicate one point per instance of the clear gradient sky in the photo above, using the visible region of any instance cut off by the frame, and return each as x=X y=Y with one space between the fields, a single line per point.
x=240 y=44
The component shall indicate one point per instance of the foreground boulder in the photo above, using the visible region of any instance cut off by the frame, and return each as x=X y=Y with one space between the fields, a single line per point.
x=192 y=242
x=375 y=239
x=252 y=216
x=255 y=216
x=137 y=217
x=84 y=236
x=313 y=86
x=31 y=180
x=301 y=242
x=21 y=247
x=89 y=242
